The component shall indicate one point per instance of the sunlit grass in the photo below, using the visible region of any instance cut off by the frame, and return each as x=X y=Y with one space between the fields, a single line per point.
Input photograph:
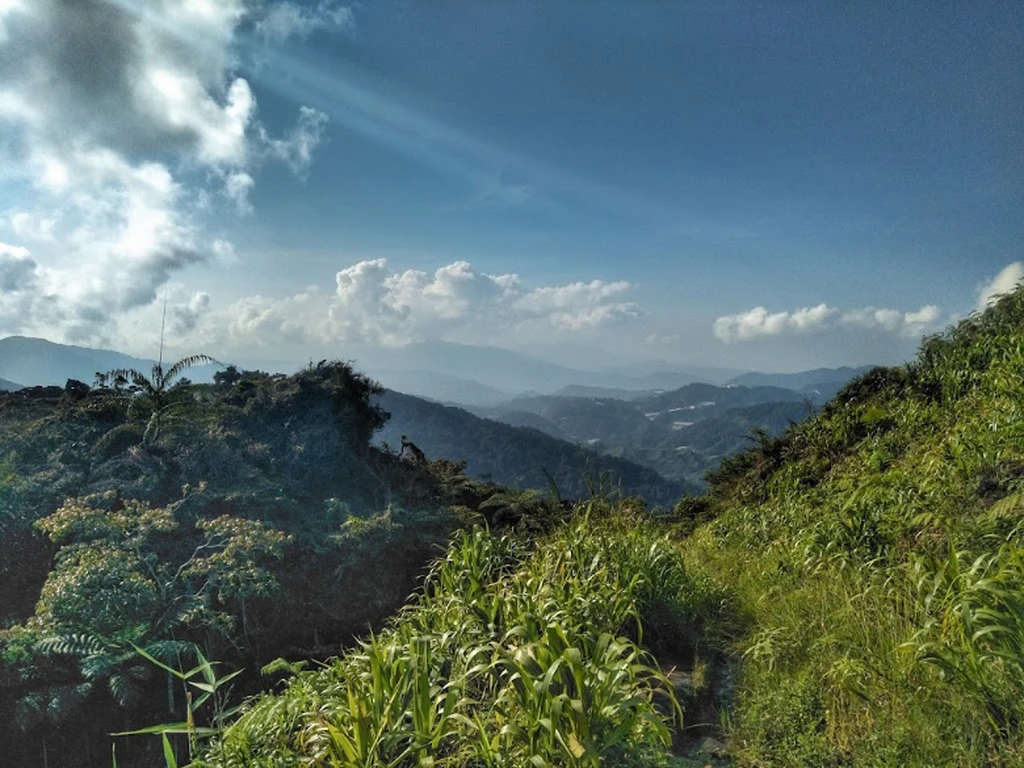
x=509 y=656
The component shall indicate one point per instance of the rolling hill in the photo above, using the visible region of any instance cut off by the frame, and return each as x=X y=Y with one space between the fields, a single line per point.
x=681 y=434
x=518 y=456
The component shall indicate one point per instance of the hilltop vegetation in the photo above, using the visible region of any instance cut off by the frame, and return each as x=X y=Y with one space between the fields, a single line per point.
x=250 y=518
x=879 y=607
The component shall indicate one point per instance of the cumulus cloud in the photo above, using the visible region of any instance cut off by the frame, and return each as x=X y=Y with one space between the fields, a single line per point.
x=185 y=316
x=261 y=321
x=760 y=323
x=373 y=303
x=1006 y=281
x=108 y=110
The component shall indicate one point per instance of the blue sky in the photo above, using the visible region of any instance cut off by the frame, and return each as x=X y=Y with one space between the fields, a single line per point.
x=760 y=185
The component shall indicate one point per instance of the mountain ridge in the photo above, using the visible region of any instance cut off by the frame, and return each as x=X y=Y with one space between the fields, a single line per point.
x=40 y=362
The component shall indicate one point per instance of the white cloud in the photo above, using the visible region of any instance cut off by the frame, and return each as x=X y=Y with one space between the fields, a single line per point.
x=1005 y=282
x=373 y=303
x=122 y=122
x=224 y=252
x=760 y=323
x=286 y=20
x=376 y=304
x=259 y=321
x=33 y=227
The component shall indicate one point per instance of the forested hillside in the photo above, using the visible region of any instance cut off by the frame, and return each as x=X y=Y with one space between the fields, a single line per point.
x=520 y=455
x=251 y=518
x=681 y=434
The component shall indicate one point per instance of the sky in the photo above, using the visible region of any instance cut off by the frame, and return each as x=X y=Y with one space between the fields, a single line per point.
x=758 y=185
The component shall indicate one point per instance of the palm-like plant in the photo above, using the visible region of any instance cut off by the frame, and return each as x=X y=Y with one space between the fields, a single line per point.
x=162 y=388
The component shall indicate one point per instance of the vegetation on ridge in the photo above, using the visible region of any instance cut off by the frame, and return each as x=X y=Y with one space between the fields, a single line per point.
x=259 y=521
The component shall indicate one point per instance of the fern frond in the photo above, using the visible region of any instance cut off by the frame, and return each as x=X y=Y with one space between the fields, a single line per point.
x=72 y=645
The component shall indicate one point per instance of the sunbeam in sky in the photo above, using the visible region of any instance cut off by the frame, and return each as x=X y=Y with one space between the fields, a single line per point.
x=774 y=188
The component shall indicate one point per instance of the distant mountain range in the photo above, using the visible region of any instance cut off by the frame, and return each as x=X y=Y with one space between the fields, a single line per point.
x=9 y=386
x=803 y=381
x=484 y=376
x=37 y=362
x=657 y=428
x=682 y=433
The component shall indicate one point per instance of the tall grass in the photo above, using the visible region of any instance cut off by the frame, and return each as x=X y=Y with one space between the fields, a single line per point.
x=509 y=656
x=876 y=555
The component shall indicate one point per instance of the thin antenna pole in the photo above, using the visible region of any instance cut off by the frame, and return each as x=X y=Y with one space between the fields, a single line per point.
x=163 y=324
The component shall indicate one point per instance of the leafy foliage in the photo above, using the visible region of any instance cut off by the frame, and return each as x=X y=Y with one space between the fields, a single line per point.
x=258 y=521
x=507 y=657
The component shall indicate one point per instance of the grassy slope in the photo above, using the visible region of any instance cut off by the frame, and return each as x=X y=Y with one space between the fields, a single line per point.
x=879 y=610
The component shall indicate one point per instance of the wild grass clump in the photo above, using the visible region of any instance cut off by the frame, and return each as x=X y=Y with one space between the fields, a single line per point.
x=509 y=656
x=876 y=553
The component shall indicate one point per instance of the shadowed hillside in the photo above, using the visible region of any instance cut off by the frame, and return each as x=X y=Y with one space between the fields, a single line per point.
x=521 y=457
x=250 y=518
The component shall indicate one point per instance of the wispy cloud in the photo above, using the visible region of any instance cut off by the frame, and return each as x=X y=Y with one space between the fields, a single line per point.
x=286 y=20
